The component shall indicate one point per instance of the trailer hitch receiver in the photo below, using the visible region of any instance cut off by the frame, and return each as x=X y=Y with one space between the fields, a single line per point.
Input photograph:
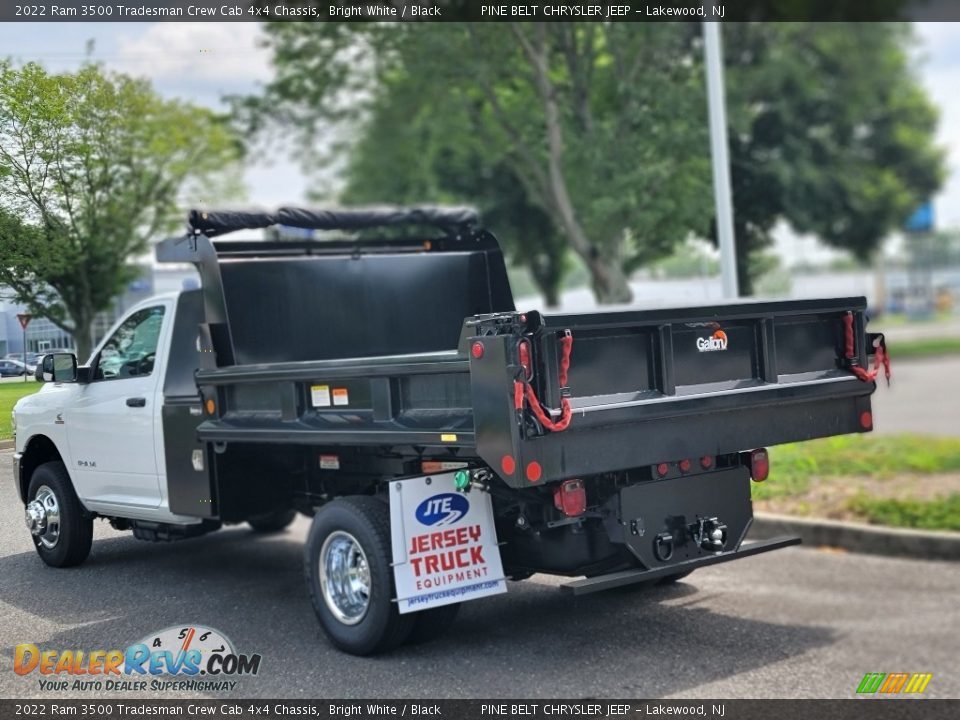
x=710 y=534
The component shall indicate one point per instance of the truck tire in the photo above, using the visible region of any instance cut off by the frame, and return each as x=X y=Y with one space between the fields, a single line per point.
x=347 y=567
x=60 y=528
x=430 y=624
x=271 y=522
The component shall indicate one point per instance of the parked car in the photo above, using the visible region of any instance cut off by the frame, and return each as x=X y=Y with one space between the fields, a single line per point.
x=15 y=368
x=33 y=358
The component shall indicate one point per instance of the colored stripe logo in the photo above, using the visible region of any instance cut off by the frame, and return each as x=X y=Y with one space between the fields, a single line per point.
x=894 y=683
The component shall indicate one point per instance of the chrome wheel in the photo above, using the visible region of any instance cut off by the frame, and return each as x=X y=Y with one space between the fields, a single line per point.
x=345 y=577
x=42 y=516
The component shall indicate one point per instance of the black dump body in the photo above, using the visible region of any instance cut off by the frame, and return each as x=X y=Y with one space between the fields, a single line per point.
x=389 y=352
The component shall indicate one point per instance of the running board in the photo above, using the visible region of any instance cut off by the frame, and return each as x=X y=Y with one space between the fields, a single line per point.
x=629 y=577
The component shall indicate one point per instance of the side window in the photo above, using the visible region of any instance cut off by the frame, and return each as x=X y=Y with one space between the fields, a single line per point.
x=131 y=350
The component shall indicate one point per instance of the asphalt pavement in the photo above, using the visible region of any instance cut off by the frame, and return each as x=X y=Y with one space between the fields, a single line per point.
x=922 y=397
x=793 y=623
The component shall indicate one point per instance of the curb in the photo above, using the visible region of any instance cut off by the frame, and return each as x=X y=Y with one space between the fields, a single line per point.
x=870 y=539
x=6 y=445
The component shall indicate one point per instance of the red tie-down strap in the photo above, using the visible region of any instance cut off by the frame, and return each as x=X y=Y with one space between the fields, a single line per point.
x=880 y=354
x=523 y=389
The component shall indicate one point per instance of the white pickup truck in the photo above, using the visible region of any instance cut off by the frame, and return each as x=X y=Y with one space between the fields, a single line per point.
x=442 y=441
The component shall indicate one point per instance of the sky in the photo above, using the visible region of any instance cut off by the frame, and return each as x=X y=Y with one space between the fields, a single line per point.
x=232 y=63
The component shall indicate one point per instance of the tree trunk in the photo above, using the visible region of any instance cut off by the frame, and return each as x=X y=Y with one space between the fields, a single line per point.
x=551 y=296
x=83 y=339
x=608 y=281
x=607 y=278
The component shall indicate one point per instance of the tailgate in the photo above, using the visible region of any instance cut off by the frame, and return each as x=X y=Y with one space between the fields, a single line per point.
x=661 y=385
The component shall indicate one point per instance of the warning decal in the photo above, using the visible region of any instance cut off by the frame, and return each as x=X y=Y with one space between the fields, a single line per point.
x=320 y=395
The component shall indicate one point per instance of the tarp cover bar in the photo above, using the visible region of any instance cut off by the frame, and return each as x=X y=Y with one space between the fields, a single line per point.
x=213 y=222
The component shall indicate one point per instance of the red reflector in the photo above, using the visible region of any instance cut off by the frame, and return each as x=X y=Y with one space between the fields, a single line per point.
x=570 y=498
x=662 y=469
x=508 y=464
x=759 y=465
x=524 y=350
x=685 y=466
x=706 y=462
x=534 y=471
x=866 y=420
x=477 y=350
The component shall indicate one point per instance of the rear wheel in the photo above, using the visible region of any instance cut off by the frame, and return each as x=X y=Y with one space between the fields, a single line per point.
x=272 y=522
x=61 y=531
x=348 y=573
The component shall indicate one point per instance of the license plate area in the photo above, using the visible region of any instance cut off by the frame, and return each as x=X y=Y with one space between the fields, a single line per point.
x=444 y=543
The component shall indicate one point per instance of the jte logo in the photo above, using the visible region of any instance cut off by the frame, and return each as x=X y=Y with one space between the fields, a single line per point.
x=717 y=341
x=443 y=509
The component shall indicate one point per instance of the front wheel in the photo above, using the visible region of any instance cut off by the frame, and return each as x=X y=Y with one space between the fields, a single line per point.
x=347 y=567
x=61 y=531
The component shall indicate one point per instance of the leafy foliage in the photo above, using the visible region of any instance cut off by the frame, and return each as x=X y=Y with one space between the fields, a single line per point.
x=592 y=137
x=829 y=130
x=91 y=167
x=595 y=131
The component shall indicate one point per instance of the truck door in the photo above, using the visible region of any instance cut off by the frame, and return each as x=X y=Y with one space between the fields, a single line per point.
x=111 y=425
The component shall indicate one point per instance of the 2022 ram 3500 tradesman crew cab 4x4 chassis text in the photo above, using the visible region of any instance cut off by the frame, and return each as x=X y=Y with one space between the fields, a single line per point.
x=442 y=441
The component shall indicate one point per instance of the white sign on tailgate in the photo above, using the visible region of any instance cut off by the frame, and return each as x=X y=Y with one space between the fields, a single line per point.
x=444 y=543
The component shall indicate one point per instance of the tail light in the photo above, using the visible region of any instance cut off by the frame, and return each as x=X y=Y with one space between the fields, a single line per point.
x=684 y=465
x=706 y=462
x=570 y=498
x=759 y=464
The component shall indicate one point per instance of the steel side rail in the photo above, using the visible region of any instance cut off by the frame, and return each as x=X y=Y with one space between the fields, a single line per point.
x=629 y=577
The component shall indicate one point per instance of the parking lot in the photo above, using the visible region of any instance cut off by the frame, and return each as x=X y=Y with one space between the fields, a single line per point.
x=794 y=623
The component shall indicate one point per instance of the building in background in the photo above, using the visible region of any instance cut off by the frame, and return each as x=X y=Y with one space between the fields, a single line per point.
x=43 y=335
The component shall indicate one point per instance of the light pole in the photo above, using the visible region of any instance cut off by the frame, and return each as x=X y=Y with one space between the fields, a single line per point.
x=713 y=60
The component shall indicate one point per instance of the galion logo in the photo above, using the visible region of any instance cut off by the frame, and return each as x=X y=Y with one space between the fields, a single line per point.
x=717 y=341
x=443 y=509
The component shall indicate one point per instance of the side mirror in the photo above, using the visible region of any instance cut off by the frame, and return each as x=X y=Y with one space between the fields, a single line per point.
x=58 y=367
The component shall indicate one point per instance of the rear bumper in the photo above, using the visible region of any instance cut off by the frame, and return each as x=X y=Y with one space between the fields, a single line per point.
x=629 y=577
x=17 y=457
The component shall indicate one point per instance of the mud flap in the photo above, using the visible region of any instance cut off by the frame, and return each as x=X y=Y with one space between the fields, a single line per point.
x=444 y=543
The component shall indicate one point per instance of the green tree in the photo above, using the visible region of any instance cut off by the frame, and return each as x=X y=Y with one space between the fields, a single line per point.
x=603 y=128
x=408 y=152
x=91 y=168
x=601 y=125
x=829 y=130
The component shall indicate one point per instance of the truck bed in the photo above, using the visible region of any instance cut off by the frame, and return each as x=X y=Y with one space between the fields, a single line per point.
x=641 y=390
x=292 y=343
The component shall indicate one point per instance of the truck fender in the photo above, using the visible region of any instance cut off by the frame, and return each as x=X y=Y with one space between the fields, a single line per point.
x=39 y=449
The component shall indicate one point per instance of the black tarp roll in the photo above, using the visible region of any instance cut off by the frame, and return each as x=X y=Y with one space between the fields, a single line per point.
x=213 y=222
